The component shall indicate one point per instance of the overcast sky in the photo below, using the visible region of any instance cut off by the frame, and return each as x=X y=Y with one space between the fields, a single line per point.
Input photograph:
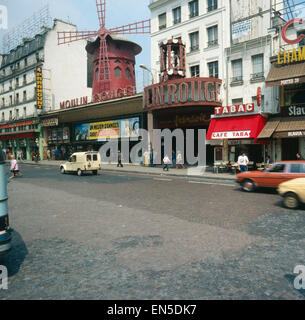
x=83 y=13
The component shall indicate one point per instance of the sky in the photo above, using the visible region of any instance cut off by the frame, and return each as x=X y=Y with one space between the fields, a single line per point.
x=83 y=13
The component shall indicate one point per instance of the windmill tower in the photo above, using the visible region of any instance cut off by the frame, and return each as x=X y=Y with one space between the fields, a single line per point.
x=114 y=56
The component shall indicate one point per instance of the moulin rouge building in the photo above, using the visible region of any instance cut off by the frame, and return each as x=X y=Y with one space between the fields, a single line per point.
x=180 y=102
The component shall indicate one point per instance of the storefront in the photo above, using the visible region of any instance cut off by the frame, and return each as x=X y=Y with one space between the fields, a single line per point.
x=239 y=133
x=286 y=131
x=90 y=126
x=23 y=137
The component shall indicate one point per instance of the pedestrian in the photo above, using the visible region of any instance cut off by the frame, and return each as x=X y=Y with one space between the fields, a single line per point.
x=243 y=162
x=174 y=159
x=299 y=157
x=166 y=162
x=119 y=159
x=179 y=161
x=57 y=153
x=14 y=167
x=19 y=155
x=49 y=154
x=37 y=156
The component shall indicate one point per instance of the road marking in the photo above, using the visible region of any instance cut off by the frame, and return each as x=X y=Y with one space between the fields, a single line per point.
x=215 y=183
x=160 y=179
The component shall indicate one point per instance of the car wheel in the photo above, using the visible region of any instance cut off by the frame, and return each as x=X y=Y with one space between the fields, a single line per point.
x=62 y=170
x=94 y=172
x=79 y=172
x=248 y=185
x=291 y=201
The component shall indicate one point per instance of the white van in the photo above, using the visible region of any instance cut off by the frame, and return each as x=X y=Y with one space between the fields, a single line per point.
x=81 y=162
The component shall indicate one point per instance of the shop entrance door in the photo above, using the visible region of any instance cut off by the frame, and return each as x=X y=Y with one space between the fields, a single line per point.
x=290 y=147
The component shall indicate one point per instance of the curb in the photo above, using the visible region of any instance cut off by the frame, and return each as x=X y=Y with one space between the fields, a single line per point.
x=144 y=173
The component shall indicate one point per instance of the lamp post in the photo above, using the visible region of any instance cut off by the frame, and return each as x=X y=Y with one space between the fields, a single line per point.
x=143 y=66
x=5 y=232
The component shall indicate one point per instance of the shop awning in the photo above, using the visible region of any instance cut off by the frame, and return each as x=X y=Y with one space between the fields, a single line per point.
x=17 y=135
x=269 y=129
x=285 y=75
x=245 y=127
x=292 y=128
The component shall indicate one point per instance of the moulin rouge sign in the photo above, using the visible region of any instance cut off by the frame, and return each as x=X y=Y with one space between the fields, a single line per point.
x=104 y=96
x=186 y=92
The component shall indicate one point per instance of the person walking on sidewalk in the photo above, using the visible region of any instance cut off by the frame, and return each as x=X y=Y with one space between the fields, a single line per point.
x=166 y=162
x=14 y=168
x=179 y=160
x=119 y=159
x=243 y=162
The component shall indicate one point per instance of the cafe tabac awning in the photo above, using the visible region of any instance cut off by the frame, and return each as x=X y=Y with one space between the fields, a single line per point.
x=285 y=75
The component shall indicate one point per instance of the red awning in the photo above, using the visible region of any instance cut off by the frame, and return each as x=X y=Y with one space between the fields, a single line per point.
x=245 y=127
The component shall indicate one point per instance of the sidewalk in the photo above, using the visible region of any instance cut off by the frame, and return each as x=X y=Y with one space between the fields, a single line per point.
x=195 y=172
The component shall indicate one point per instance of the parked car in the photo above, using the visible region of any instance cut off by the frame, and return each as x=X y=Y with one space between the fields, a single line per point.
x=272 y=177
x=81 y=162
x=293 y=192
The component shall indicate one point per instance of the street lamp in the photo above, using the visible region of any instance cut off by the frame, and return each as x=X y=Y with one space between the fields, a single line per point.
x=5 y=232
x=143 y=66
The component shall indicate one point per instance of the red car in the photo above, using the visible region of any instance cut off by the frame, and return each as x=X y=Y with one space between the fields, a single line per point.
x=278 y=173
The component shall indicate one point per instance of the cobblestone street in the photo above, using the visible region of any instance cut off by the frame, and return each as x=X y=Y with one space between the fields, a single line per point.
x=128 y=236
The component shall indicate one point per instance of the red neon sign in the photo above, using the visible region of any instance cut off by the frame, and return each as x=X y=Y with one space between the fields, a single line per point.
x=287 y=25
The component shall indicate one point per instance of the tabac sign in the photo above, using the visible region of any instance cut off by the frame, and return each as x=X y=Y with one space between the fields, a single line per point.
x=39 y=99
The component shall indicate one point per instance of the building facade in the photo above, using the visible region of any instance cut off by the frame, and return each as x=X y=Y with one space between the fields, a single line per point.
x=34 y=78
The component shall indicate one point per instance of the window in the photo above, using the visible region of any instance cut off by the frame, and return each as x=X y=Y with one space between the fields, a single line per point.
x=24 y=79
x=25 y=62
x=195 y=71
x=11 y=115
x=294 y=94
x=277 y=168
x=11 y=100
x=212 y=36
x=73 y=159
x=118 y=72
x=213 y=69
x=17 y=114
x=24 y=96
x=258 y=67
x=3 y=102
x=95 y=157
x=212 y=5
x=162 y=21
x=17 y=82
x=17 y=97
x=128 y=74
x=237 y=71
x=193 y=7
x=237 y=102
x=24 y=112
x=88 y=157
x=297 y=168
x=194 y=40
x=3 y=117
x=11 y=84
x=177 y=15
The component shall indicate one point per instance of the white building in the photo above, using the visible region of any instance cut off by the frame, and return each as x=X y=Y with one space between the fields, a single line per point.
x=229 y=40
x=64 y=71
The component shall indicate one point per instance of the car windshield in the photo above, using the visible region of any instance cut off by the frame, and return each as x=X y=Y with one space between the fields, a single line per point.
x=278 y=167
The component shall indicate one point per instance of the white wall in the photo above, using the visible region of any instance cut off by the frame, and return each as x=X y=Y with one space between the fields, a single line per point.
x=68 y=65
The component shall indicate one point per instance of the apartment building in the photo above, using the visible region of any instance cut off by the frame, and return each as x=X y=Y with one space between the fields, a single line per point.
x=34 y=78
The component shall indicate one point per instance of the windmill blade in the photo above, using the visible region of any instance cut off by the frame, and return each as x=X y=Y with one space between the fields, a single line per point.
x=104 y=72
x=134 y=28
x=101 y=11
x=71 y=36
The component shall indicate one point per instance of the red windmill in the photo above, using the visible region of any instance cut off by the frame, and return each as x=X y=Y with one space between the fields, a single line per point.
x=108 y=50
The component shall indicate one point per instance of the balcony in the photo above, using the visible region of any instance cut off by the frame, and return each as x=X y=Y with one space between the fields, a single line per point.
x=213 y=43
x=237 y=81
x=257 y=77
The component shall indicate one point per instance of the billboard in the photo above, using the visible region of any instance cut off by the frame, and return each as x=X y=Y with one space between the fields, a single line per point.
x=241 y=29
x=106 y=130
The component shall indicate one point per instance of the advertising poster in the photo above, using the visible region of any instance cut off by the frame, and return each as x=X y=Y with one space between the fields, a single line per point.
x=130 y=128
x=82 y=132
x=54 y=135
x=105 y=130
x=66 y=134
x=241 y=29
